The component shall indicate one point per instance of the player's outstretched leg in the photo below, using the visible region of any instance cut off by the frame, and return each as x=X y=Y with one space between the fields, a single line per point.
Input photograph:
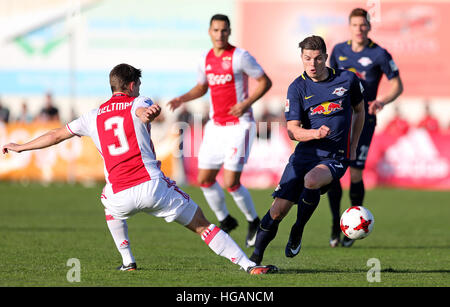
x=309 y=200
x=223 y=245
x=119 y=232
x=334 y=198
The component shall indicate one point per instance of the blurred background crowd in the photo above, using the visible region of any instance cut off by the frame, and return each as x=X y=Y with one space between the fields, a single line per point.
x=55 y=57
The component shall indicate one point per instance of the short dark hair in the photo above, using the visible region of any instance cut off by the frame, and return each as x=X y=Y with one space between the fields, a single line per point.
x=313 y=42
x=121 y=75
x=359 y=12
x=220 y=17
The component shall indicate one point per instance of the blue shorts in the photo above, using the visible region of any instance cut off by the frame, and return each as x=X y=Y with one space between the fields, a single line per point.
x=364 y=143
x=292 y=181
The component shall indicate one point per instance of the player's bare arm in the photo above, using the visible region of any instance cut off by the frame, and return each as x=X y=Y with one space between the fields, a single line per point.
x=196 y=92
x=148 y=114
x=297 y=133
x=396 y=88
x=48 y=139
x=357 y=126
x=263 y=85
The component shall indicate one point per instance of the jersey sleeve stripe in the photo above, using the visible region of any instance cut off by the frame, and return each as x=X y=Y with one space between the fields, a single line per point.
x=70 y=130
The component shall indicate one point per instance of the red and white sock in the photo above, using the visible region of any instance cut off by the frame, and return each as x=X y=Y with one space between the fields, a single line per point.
x=223 y=245
x=215 y=197
x=119 y=232
x=244 y=201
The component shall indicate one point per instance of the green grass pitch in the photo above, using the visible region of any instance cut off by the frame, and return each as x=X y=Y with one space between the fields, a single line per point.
x=43 y=227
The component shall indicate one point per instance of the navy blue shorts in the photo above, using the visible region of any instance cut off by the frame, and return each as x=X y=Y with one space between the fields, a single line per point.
x=292 y=181
x=364 y=143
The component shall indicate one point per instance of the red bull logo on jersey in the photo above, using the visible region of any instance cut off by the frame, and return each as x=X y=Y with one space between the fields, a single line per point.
x=214 y=79
x=326 y=107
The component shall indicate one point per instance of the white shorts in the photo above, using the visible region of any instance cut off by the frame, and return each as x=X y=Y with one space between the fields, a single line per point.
x=159 y=197
x=226 y=145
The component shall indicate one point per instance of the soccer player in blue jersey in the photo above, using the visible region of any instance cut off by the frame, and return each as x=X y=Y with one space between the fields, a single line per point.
x=325 y=113
x=369 y=61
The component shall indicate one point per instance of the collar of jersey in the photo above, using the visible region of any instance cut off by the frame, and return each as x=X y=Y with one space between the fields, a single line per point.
x=371 y=44
x=119 y=94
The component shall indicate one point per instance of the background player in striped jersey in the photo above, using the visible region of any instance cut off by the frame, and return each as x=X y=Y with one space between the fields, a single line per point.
x=369 y=61
x=231 y=129
x=120 y=129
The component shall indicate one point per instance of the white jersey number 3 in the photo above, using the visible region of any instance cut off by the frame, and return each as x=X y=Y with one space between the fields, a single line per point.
x=119 y=132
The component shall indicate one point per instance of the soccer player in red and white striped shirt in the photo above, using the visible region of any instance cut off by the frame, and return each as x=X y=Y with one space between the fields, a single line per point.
x=121 y=130
x=228 y=135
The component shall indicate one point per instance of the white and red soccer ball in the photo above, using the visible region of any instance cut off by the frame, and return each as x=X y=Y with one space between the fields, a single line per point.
x=357 y=222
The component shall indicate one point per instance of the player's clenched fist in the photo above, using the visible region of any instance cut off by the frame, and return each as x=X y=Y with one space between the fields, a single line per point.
x=148 y=114
x=322 y=132
x=238 y=109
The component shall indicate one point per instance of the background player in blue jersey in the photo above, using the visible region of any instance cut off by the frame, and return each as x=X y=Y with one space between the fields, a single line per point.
x=325 y=113
x=369 y=62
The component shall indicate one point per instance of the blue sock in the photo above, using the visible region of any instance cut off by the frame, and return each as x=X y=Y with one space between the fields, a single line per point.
x=357 y=192
x=266 y=233
x=307 y=204
x=334 y=198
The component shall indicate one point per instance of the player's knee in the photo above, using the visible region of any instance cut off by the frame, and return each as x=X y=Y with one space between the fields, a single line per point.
x=205 y=182
x=280 y=208
x=277 y=215
x=312 y=181
x=206 y=178
x=231 y=180
x=232 y=185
